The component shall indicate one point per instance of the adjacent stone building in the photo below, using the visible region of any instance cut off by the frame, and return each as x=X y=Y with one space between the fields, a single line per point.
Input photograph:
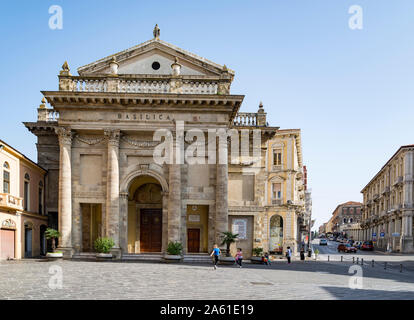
x=389 y=204
x=345 y=218
x=22 y=215
x=98 y=141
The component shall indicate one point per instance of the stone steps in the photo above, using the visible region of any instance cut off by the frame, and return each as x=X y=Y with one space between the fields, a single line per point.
x=142 y=257
x=197 y=258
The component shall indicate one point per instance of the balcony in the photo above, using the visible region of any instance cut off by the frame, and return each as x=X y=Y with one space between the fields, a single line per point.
x=10 y=202
x=395 y=208
x=277 y=202
x=376 y=197
x=369 y=203
x=385 y=191
x=398 y=181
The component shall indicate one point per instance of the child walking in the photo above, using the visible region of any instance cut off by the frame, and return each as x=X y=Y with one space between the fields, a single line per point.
x=215 y=254
x=239 y=257
x=288 y=254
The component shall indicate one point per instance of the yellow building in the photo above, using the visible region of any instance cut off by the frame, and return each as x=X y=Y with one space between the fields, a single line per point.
x=22 y=219
x=285 y=191
x=388 y=204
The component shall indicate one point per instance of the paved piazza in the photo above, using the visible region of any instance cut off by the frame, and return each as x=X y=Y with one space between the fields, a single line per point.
x=29 y=279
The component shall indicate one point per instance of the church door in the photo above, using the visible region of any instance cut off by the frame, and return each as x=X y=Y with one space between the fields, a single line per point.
x=193 y=238
x=151 y=230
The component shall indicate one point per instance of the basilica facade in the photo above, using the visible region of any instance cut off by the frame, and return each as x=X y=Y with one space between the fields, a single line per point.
x=97 y=137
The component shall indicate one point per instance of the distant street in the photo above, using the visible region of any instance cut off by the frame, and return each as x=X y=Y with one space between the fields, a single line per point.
x=332 y=251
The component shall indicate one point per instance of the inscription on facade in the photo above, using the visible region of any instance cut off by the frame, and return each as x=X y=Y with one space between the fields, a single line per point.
x=145 y=116
x=240 y=227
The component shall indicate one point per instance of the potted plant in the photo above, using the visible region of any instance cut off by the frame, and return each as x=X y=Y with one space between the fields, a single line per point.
x=257 y=255
x=174 y=251
x=228 y=239
x=316 y=252
x=52 y=234
x=103 y=248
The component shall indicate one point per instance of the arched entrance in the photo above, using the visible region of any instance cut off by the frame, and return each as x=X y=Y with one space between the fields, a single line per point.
x=145 y=215
x=42 y=238
x=28 y=239
x=276 y=234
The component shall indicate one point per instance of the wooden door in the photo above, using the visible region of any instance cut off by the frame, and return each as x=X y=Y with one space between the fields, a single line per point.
x=28 y=243
x=193 y=240
x=151 y=230
x=7 y=244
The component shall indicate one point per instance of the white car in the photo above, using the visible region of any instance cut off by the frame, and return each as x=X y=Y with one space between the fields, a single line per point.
x=323 y=242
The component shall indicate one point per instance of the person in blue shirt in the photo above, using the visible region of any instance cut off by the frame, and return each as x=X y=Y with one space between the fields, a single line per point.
x=215 y=254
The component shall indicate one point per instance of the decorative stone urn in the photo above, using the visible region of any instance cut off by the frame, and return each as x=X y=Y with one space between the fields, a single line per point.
x=255 y=259
x=171 y=258
x=227 y=260
x=104 y=256
x=54 y=255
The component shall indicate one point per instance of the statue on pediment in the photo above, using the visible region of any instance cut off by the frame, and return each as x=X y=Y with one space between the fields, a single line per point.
x=156 y=32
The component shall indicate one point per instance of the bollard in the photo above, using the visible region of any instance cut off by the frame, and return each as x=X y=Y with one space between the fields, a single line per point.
x=385 y=266
x=357 y=260
x=373 y=263
x=400 y=267
x=328 y=258
x=342 y=258
x=362 y=261
x=353 y=259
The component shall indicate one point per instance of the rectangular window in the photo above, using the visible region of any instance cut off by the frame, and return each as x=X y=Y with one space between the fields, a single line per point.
x=6 y=182
x=40 y=201
x=277 y=191
x=277 y=157
x=26 y=196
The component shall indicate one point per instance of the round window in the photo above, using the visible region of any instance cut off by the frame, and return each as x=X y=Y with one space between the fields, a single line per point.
x=156 y=65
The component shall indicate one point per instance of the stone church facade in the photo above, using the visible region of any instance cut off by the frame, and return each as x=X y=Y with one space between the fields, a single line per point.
x=96 y=140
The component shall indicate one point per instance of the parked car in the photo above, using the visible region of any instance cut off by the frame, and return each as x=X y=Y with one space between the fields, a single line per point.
x=367 y=245
x=346 y=248
x=358 y=244
x=323 y=242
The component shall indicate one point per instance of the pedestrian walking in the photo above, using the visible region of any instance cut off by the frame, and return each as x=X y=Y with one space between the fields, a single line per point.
x=302 y=254
x=267 y=259
x=239 y=257
x=288 y=254
x=215 y=254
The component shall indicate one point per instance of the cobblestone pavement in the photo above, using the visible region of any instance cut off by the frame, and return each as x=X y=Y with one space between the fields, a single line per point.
x=29 y=279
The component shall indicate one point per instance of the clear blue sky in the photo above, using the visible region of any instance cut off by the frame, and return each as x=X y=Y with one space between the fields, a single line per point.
x=350 y=91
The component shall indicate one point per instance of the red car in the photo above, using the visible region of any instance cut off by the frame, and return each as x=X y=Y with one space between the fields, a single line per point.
x=367 y=245
x=346 y=248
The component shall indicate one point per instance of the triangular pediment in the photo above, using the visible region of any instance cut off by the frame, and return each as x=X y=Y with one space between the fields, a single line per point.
x=154 y=57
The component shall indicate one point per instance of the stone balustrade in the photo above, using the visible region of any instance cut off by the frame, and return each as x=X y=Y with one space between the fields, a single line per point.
x=11 y=202
x=141 y=84
x=52 y=115
x=80 y=84
x=245 y=119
